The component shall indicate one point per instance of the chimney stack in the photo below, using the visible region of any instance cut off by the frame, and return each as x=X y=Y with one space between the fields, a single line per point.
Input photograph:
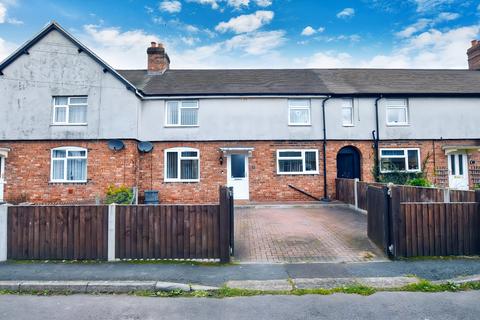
x=473 y=54
x=158 y=60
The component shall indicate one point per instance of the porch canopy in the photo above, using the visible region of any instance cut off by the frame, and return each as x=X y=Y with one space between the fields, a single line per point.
x=243 y=150
x=454 y=148
x=4 y=152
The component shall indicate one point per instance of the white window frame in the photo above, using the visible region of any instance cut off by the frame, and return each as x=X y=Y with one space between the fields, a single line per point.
x=180 y=107
x=67 y=111
x=303 y=151
x=391 y=105
x=405 y=156
x=352 y=108
x=308 y=108
x=67 y=149
x=179 y=151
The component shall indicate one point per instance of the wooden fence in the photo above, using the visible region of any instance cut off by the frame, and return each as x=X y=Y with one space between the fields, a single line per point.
x=57 y=232
x=133 y=231
x=439 y=229
x=345 y=192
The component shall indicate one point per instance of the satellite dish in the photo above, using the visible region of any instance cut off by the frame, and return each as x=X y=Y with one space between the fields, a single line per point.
x=145 y=146
x=116 y=145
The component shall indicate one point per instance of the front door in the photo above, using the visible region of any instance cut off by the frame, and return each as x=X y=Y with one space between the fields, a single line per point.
x=458 y=171
x=348 y=163
x=2 y=176
x=238 y=175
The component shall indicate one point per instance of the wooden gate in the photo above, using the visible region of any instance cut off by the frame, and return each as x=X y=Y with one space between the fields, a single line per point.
x=378 y=208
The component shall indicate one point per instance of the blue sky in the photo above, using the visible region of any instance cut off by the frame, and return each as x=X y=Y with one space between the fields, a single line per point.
x=258 y=33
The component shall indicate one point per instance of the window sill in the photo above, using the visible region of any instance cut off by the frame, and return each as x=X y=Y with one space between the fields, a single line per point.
x=297 y=173
x=182 y=126
x=348 y=125
x=68 y=182
x=402 y=171
x=68 y=125
x=299 y=125
x=398 y=124
x=181 y=181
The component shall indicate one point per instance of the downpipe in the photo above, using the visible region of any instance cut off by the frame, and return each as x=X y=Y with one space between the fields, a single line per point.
x=325 y=184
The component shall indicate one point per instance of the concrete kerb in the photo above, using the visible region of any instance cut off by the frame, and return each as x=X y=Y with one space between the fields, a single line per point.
x=99 y=286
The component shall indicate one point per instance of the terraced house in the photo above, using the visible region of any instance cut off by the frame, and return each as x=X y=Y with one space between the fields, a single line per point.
x=70 y=125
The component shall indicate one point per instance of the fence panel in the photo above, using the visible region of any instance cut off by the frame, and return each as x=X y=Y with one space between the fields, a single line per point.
x=462 y=196
x=434 y=229
x=57 y=232
x=345 y=190
x=378 y=216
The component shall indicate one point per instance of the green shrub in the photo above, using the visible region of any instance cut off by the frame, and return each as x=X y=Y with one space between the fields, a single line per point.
x=399 y=177
x=419 y=182
x=120 y=195
x=476 y=186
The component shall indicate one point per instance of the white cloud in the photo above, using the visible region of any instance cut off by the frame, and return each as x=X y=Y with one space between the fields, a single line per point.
x=246 y=23
x=447 y=16
x=119 y=49
x=429 y=5
x=3 y=13
x=237 y=4
x=170 y=6
x=430 y=49
x=6 y=48
x=212 y=3
x=257 y=43
x=309 y=30
x=420 y=25
x=346 y=13
x=263 y=3
x=190 y=41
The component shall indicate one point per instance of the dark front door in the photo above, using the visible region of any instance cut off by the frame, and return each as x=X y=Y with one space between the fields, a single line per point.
x=348 y=163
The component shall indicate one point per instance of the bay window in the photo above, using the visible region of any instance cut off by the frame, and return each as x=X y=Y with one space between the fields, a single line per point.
x=407 y=160
x=70 y=110
x=68 y=164
x=182 y=165
x=297 y=161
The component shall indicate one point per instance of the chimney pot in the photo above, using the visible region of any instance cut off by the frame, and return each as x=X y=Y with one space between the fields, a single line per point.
x=473 y=54
x=158 y=60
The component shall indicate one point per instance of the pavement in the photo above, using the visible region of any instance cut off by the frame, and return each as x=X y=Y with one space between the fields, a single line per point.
x=217 y=275
x=302 y=234
x=382 y=305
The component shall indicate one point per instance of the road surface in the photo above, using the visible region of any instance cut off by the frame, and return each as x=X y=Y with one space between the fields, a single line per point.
x=386 y=305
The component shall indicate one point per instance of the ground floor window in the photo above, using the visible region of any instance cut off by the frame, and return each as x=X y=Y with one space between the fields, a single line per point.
x=69 y=164
x=297 y=161
x=182 y=165
x=400 y=160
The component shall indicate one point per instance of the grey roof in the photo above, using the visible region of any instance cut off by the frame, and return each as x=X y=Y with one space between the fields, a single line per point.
x=306 y=82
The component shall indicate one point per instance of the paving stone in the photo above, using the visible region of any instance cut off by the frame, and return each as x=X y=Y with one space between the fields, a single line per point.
x=9 y=285
x=387 y=282
x=120 y=286
x=297 y=234
x=264 y=285
x=323 y=283
x=196 y=287
x=171 y=286
x=63 y=286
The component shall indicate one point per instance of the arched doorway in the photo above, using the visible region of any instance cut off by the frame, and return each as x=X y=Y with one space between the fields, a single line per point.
x=348 y=163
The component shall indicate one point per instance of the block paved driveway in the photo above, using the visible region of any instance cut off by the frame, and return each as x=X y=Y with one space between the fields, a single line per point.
x=294 y=235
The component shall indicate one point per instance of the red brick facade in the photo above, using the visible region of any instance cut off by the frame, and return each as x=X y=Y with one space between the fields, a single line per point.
x=27 y=170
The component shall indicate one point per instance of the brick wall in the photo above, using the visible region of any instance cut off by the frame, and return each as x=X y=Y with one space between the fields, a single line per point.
x=28 y=170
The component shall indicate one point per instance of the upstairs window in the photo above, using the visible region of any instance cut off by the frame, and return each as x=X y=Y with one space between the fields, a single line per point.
x=182 y=113
x=299 y=112
x=69 y=164
x=297 y=161
x=400 y=160
x=397 y=112
x=69 y=110
x=347 y=112
x=182 y=165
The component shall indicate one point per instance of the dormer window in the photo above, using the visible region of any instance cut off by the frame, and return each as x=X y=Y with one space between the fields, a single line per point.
x=70 y=110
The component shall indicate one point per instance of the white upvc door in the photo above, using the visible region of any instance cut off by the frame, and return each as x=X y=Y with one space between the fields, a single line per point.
x=237 y=175
x=2 y=176
x=458 y=171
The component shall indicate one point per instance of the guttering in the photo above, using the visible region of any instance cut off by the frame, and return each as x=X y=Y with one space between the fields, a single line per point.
x=325 y=184
x=376 y=137
x=233 y=96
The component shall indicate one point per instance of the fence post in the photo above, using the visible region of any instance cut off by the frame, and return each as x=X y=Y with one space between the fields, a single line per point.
x=477 y=195
x=111 y=231
x=3 y=231
x=224 y=225
x=355 y=192
x=446 y=195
